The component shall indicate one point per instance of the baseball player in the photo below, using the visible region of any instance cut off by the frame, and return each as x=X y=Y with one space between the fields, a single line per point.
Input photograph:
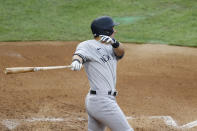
x=99 y=56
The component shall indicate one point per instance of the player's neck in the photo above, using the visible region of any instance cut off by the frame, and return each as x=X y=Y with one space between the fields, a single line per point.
x=97 y=38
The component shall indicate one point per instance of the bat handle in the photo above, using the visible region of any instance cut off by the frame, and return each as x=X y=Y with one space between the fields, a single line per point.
x=37 y=69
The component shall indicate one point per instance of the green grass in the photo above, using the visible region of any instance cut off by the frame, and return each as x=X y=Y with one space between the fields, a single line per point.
x=141 y=21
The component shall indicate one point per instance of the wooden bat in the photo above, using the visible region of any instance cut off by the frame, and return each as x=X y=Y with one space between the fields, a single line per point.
x=15 y=70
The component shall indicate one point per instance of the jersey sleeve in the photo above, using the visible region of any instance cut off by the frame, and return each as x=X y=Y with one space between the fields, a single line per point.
x=82 y=50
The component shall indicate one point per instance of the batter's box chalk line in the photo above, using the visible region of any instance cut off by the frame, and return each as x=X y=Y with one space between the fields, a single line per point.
x=169 y=121
x=13 y=123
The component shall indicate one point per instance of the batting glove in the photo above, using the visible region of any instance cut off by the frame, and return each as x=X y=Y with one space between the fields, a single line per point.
x=76 y=65
x=115 y=43
x=109 y=40
x=105 y=39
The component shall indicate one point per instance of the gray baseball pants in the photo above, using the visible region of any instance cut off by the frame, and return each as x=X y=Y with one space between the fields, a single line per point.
x=103 y=111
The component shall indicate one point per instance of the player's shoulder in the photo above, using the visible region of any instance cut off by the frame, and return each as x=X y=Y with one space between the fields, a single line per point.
x=87 y=43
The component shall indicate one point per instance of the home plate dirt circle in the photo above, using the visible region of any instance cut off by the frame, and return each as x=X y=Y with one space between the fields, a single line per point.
x=169 y=121
x=156 y=85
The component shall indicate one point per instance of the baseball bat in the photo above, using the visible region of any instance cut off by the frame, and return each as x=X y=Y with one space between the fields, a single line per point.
x=15 y=70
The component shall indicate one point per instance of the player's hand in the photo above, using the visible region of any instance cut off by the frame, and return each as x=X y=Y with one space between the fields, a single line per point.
x=76 y=65
x=115 y=43
x=105 y=39
x=109 y=40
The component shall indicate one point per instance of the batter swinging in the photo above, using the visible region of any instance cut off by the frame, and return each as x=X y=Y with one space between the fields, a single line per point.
x=99 y=57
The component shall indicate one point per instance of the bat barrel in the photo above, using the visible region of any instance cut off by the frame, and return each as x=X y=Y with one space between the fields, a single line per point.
x=18 y=70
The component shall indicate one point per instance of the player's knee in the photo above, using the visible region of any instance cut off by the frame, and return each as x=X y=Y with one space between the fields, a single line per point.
x=96 y=129
x=130 y=129
x=90 y=130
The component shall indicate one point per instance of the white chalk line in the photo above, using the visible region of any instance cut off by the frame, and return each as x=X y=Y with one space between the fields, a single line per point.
x=169 y=121
x=13 y=123
x=45 y=119
x=10 y=124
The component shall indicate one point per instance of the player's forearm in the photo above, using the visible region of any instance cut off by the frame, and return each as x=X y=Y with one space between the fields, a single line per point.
x=119 y=51
x=76 y=64
x=76 y=57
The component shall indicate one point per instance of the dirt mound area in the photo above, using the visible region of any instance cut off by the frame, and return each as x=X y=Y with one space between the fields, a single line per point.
x=157 y=87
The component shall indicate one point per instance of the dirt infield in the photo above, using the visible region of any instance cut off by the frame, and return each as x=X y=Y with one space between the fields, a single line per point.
x=157 y=87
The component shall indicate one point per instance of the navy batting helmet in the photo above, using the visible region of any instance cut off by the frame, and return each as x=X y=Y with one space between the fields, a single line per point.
x=103 y=26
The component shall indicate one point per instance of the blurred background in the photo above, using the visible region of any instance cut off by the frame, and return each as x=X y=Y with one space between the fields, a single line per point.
x=141 y=21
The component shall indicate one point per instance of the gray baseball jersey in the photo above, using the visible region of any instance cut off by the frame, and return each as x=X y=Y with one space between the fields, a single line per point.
x=100 y=64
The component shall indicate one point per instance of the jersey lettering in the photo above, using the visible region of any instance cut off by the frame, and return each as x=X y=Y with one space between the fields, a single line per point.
x=105 y=58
